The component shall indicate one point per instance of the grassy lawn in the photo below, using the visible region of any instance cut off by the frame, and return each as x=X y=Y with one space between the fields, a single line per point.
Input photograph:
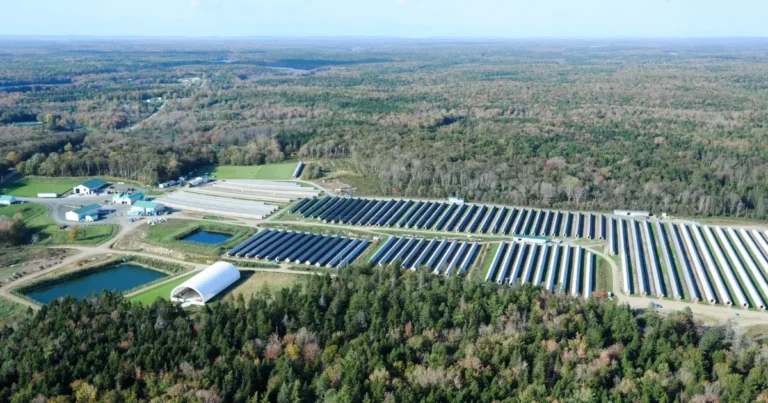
x=487 y=260
x=163 y=291
x=30 y=186
x=251 y=282
x=171 y=233
x=283 y=170
x=10 y=310
x=604 y=275
x=36 y=218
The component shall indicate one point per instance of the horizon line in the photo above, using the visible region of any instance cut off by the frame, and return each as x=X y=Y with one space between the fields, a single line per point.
x=376 y=37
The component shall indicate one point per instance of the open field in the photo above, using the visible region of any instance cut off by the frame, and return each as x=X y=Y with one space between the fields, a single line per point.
x=163 y=291
x=171 y=233
x=251 y=283
x=283 y=170
x=46 y=232
x=30 y=186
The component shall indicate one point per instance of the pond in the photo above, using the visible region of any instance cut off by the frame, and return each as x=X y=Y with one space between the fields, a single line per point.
x=210 y=238
x=122 y=277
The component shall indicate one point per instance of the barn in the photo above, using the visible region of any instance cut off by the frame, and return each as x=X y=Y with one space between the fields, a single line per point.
x=125 y=198
x=7 y=200
x=85 y=213
x=205 y=285
x=144 y=207
x=90 y=187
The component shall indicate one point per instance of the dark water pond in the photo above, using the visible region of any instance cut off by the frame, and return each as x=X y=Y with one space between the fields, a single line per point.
x=210 y=238
x=122 y=277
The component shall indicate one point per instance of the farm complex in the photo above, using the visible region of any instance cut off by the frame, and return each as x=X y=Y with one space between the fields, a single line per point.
x=567 y=252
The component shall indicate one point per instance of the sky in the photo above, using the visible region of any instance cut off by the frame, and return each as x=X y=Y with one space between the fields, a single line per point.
x=388 y=18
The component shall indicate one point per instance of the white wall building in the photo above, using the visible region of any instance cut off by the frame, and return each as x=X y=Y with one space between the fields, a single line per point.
x=90 y=187
x=143 y=207
x=7 y=200
x=201 y=288
x=85 y=213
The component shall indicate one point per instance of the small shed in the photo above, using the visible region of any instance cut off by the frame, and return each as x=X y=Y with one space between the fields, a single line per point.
x=6 y=200
x=144 y=207
x=90 y=187
x=205 y=285
x=85 y=213
x=125 y=198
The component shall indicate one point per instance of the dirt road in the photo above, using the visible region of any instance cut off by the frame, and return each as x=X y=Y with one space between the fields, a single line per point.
x=707 y=313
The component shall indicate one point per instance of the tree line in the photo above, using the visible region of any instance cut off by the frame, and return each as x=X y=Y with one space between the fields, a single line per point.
x=376 y=335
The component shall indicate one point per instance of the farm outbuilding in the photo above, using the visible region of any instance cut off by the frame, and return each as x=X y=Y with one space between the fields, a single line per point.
x=125 y=198
x=205 y=285
x=90 y=187
x=7 y=200
x=85 y=213
x=144 y=207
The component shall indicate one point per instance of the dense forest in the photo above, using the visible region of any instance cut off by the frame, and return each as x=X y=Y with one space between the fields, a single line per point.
x=376 y=336
x=670 y=126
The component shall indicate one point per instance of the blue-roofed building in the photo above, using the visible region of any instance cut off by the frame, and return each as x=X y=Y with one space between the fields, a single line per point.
x=85 y=213
x=125 y=198
x=90 y=187
x=7 y=200
x=143 y=207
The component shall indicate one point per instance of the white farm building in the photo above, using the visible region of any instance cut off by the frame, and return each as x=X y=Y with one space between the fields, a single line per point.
x=90 y=187
x=7 y=200
x=85 y=213
x=205 y=285
x=144 y=207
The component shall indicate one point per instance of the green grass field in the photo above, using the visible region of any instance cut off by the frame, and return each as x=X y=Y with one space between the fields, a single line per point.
x=36 y=218
x=30 y=186
x=283 y=170
x=160 y=291
x=170 y=233
x=250 y=283
x=494 y=248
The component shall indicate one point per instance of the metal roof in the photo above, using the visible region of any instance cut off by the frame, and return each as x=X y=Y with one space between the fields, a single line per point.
x=87 y=209
x=146 y=204
x=94 y=183
x=209 y=282
x=135 y=196
x=7 y=198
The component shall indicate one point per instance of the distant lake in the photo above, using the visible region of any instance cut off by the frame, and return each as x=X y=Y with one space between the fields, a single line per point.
x=122 y=277
x=290 y=69
x=210 y=238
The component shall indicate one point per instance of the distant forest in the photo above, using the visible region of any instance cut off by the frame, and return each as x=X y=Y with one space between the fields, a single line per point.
x=381 y=335
x=677 y=127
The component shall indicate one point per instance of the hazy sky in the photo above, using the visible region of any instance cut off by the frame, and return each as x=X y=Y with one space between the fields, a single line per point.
x=404 y=18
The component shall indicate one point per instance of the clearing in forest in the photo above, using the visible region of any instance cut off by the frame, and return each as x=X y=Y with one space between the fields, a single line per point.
x=283 y=170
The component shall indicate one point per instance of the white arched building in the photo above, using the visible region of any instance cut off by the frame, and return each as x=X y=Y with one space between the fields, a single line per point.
x=199 y=289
